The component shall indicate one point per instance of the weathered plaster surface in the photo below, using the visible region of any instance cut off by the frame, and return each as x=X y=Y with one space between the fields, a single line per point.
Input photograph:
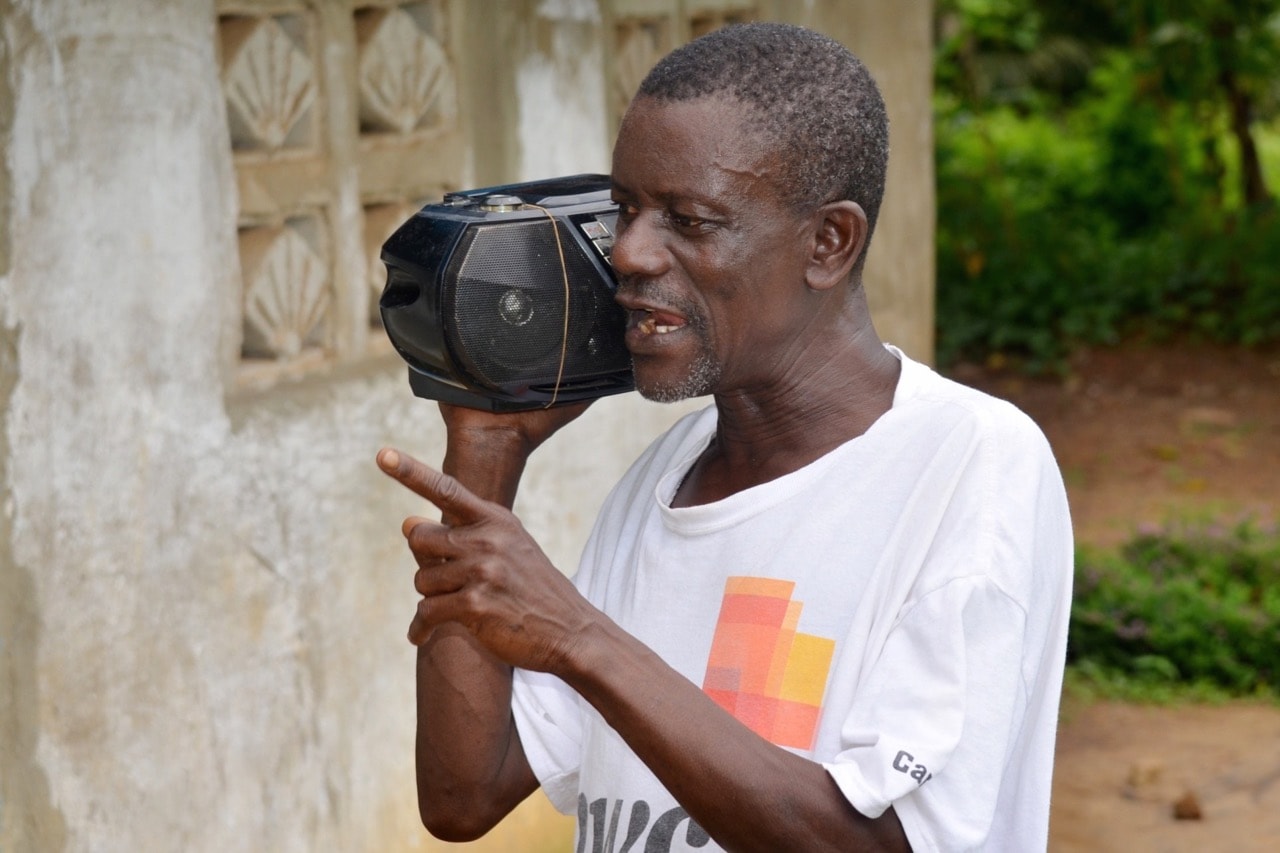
x=27 y=812
x=202 y=609
x=560 y=87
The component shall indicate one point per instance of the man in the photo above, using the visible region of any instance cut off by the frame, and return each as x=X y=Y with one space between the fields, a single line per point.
x=827 y=612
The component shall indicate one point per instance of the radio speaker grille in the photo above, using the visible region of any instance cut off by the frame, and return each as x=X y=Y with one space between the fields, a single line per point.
x=505 y=300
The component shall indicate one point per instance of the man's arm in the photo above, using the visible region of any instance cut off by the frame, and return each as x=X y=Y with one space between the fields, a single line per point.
x=471 y=770
x=484 y=572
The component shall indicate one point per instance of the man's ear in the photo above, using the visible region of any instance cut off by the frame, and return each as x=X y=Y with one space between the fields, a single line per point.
x=840 y=233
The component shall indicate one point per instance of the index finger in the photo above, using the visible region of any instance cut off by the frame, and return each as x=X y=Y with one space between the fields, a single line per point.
x=453 y=499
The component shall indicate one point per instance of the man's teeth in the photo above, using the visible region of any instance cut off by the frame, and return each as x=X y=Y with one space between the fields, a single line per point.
x=649 y=325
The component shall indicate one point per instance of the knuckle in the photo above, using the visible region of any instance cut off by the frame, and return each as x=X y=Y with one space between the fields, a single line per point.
x=471 y=599
x=487 y=571
x=448 y=488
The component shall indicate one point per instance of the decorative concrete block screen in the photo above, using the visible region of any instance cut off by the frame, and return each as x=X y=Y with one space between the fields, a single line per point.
x=343 y=119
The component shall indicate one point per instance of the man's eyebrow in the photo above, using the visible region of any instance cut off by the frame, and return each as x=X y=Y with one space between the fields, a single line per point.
x=673 y=196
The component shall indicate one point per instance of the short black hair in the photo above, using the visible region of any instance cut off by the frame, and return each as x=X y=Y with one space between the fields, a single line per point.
x=814 y=100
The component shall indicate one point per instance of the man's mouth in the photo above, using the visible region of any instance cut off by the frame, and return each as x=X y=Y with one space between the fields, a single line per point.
x=652 y=322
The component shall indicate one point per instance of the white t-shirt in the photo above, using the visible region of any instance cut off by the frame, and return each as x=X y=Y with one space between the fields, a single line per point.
x=897 y=610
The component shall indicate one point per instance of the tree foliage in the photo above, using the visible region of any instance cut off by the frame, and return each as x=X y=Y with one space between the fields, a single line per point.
x=1102 y=171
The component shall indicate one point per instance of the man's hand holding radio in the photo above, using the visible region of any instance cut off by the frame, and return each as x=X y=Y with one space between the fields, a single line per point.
x=487 y=451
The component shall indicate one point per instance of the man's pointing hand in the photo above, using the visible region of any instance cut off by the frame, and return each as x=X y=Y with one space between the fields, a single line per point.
x=481 y=569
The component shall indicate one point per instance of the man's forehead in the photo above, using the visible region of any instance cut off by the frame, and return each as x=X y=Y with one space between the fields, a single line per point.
x=713 y=131
x=712 y=111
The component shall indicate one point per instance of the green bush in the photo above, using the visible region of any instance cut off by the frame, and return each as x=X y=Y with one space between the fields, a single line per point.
x=1193 y=605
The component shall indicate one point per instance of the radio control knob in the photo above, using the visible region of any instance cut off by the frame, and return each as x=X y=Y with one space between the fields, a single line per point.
x=501 y=203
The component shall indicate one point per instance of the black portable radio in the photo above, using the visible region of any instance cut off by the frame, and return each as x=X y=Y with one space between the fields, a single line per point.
x=501 y=298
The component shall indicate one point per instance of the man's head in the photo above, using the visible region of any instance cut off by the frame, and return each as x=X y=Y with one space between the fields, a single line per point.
x=812 y=99
x=743 y=182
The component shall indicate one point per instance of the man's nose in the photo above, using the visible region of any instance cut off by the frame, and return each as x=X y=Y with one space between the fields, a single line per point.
x=638 y=248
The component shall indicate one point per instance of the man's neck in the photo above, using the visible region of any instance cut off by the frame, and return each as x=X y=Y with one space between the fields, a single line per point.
x=765 y=434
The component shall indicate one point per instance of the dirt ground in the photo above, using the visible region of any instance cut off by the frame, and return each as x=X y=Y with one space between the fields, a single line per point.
x=1150 y=435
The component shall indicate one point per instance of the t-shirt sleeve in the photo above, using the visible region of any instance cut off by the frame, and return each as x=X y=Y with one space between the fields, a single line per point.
x=932 y=731
x=548 y=717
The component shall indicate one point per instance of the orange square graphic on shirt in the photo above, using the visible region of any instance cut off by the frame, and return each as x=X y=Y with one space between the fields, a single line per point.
x=753 y=609
x=761 y=668
x=759 y=586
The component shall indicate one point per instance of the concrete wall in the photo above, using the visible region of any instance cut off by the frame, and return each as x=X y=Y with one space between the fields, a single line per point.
x=203 y=591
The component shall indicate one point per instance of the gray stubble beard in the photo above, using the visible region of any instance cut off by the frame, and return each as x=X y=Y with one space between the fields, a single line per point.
x=699 y=379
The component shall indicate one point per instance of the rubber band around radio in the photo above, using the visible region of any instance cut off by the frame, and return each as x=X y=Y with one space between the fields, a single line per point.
x=564 y=273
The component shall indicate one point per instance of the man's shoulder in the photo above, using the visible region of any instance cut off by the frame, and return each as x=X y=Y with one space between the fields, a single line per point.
x=947 y=402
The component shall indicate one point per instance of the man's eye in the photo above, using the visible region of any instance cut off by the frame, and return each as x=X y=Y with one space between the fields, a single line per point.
x=682 y=221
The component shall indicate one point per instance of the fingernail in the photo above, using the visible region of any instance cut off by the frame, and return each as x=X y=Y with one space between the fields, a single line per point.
x=389 y=459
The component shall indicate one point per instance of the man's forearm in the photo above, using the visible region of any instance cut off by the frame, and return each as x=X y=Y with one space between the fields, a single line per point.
x=747 y=793
x=489 y=463
x=471 y=770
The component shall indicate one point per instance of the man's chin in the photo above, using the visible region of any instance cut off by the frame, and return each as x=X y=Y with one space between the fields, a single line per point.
x=663 y=394
x=698 y=382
